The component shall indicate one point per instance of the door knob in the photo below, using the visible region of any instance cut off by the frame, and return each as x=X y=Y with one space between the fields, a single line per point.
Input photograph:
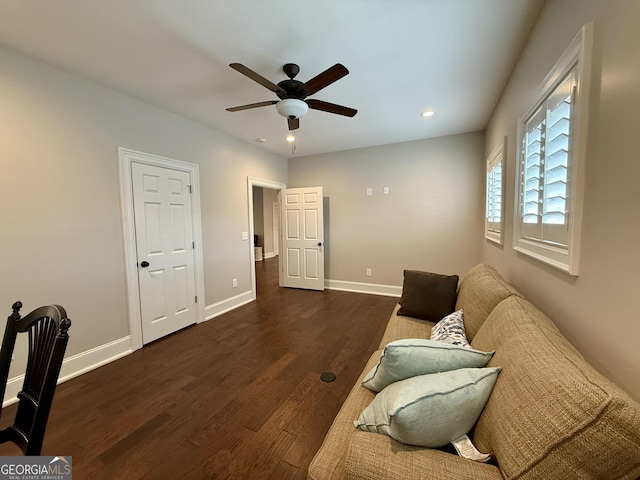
x=319 y=244
x=144 y=264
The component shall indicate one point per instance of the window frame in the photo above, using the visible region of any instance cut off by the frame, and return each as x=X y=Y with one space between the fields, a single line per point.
x=493 y=232
x=576 y=58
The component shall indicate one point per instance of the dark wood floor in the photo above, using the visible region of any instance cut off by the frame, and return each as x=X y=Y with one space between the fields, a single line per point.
x=236 y=397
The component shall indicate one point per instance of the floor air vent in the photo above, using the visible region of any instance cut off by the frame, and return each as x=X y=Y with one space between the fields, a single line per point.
x=328 y=377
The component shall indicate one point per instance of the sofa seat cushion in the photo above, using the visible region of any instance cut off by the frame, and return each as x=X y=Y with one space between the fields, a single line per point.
x=400 y=327
x=480 y=290
x=329 y=462
x=551 y=415
x=373 y=456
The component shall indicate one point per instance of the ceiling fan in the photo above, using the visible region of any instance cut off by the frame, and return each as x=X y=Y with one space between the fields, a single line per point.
x=292 y=93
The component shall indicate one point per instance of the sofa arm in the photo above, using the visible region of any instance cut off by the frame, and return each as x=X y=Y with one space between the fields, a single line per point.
x=375 y=456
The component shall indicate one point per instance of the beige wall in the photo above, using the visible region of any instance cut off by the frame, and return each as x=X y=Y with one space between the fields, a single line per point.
x=62 y=238
x=598 y=310
x=430 y=220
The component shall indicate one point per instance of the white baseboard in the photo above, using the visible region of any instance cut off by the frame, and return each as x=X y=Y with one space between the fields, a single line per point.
x=224 y=306
x=76 y=365
x=270 y=255
x=370 y=288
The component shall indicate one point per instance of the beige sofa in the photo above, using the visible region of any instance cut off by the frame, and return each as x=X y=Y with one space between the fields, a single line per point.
x=550 y=415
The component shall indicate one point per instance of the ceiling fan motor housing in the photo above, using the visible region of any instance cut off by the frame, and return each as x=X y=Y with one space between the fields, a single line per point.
x=291 y=89
x=292 y=108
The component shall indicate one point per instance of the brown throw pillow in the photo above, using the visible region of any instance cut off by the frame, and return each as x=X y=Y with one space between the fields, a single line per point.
x=426 y=295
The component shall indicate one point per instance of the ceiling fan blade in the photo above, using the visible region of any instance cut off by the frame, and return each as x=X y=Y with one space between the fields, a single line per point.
x=325 y=78
x=294 y=123
x=331 y=107
x=252 y=105
x=256 y=77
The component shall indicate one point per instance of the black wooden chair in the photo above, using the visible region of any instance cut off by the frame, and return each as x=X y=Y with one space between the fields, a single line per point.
x=47 y=327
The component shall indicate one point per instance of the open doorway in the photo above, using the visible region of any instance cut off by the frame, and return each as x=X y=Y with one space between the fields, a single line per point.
x=266 y=221
x=265 y=237
x=264 y=225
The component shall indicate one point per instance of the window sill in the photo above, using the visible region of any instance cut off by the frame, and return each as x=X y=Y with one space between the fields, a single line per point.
x=495 y=237
x=556 y=257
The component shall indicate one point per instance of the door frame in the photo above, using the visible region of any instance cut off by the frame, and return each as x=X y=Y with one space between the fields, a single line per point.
x=125 y=158
x=260 y=182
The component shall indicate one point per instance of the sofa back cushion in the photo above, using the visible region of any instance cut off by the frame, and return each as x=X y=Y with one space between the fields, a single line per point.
x=481 y=289
x=551 y=415
x=400 y=327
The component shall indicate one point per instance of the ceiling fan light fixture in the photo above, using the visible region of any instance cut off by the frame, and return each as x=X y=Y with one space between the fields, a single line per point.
x=292 y=108
x=291 y=137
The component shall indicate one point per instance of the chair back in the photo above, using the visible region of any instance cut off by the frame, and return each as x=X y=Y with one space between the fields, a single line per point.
x=47 y=328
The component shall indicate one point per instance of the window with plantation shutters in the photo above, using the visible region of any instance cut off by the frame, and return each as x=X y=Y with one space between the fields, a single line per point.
x=552 y=139
x=545 y=168
x=494 y=195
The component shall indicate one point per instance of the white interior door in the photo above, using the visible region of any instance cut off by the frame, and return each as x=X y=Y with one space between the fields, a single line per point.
x=302 y=255
x=165 y=249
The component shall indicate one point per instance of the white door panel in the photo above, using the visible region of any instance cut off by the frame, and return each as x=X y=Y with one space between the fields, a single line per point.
x=164 y=240
x=303 y=238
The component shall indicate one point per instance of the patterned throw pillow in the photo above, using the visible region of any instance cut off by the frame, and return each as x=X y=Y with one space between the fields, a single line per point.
x=451 y=330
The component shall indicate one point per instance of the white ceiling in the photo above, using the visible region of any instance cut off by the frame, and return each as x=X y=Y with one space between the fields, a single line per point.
x=404 y=56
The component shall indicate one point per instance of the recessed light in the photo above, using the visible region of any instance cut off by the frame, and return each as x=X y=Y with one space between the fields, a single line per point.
x=428 y=113
x=260 y=140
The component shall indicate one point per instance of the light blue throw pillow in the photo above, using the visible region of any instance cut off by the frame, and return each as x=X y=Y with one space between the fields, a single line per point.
x=410 y=357
x=430 y=410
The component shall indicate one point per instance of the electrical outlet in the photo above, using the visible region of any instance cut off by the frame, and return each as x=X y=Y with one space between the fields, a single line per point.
x=368 y=272
x=234 y=283
x=385 y=190
x=245 y=235
x=369 y=192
